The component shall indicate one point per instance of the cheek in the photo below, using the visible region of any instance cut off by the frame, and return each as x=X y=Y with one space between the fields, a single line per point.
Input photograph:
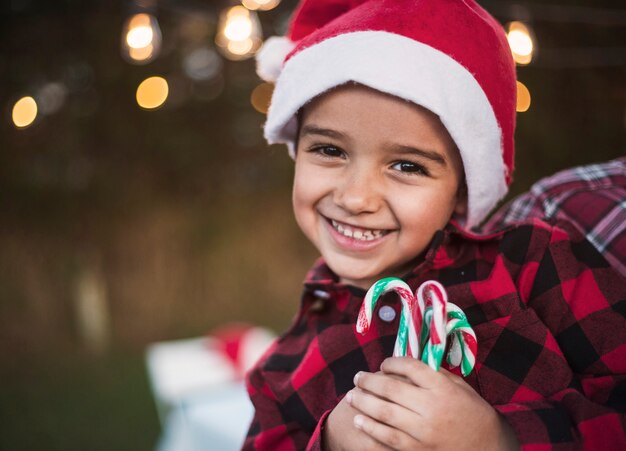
x=426 y=210
x=309 y=185
x=305 y=196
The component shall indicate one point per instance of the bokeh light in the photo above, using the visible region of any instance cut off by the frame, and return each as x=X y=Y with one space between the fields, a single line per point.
x=202 y=64
x=152 y=93
x=24 y=112
x=238 y=27
x=261 y=5
x=51 y=97
x=239 y=33
x=521 y=42
x=141 y=38
x=523 y=97
x=261 y=96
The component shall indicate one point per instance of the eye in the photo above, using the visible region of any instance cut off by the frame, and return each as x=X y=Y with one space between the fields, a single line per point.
x=328 y=151
x=410 y=167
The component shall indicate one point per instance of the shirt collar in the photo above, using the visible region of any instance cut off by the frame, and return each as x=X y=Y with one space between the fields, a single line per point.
x=440 y=253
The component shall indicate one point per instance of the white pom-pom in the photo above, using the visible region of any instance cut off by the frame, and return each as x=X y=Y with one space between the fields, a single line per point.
x=269 y=59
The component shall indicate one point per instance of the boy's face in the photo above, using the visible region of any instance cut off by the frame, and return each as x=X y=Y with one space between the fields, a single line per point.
x=375 y=178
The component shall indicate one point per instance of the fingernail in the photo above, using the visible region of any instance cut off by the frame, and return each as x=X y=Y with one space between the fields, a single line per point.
x=349 y=397
x=356 y=377
x=358 y=421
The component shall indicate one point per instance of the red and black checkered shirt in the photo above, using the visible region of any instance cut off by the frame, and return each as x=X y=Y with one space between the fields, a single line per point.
x=590 y=198
x=549 y=313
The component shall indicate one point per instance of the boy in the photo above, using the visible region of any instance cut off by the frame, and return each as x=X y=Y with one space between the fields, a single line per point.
x=400 y=117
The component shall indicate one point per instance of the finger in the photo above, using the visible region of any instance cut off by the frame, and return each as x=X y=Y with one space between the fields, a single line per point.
x=416 y=371
x=391 y=388
x=453 y=377
x=382 y=433
x=382 y=410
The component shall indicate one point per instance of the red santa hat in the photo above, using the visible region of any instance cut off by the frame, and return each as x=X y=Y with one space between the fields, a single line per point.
x=449 y=56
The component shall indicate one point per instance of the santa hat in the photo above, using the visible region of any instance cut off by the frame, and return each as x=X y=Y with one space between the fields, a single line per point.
x=449 y=56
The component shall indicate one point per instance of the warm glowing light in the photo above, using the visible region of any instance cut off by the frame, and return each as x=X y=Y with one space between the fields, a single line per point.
x=238 y=26
x=141 y=41
x=240 y=47
x=521 y=42
x=140 y=37
x=239 y=33
x=523 y=97
x=141 y=54
x=261 y=96
x=262 y=5
x=24 y=112
x=237 y=11
x=152 y=93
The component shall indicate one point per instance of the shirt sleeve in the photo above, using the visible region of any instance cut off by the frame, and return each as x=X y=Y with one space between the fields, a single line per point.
x=271 y=427
x=582 y=301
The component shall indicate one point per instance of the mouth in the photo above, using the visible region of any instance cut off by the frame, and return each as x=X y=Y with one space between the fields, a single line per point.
x=357 y=233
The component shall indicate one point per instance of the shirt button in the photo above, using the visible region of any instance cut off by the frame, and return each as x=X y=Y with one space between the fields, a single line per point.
x=387 y=313
x=321 y=294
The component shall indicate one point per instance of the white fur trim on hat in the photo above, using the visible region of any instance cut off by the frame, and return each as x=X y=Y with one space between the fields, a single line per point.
x=410 y=70
x=270 y=57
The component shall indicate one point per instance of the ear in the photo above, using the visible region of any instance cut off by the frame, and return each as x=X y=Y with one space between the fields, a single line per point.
x=460 y=208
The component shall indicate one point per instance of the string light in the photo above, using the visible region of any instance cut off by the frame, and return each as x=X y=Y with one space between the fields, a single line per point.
x=24 y=112
x=261 y=96
x=141 y=38
x=239 y=33
x=261 y=5
x=152 y=93
x=521 y=42
x=523 y=98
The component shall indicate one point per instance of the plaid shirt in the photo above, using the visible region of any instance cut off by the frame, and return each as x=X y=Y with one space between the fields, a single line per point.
x=549 y=314
x=590 y=198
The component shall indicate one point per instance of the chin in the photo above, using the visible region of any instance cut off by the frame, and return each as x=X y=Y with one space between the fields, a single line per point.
x=350 y=274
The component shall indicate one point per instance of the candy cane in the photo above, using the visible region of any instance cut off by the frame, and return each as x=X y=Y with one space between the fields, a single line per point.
x=430 y=313
x=433 y=296
x=406 y=340
x=463 y=344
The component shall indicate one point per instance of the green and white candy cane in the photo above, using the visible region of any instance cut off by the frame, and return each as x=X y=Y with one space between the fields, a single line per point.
x=406 y=340
x=463 y=344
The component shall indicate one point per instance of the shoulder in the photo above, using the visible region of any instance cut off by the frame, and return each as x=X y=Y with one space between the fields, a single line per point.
x=532 y=239
x=533 y=242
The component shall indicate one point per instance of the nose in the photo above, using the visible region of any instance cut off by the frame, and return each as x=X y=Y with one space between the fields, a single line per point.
x=358 y=191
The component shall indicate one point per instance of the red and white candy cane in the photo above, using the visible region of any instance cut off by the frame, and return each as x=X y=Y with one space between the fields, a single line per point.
x=434 y=299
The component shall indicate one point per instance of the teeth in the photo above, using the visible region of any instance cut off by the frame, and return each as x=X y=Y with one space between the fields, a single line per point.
x=361 y=235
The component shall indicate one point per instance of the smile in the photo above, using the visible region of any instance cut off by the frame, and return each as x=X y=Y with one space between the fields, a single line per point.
x=357 y=233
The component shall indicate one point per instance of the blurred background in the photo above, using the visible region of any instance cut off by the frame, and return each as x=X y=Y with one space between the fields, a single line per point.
x=140 y=204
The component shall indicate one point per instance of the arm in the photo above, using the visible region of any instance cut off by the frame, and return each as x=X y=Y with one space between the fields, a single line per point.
x=272 y=430
x=273 y=426
x=582 y=303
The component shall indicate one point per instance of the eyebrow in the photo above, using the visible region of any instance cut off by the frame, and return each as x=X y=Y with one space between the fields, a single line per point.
x=311 y=129
x=436 y=157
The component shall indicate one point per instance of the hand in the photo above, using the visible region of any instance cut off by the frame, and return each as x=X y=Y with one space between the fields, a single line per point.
x=410 y=406
x=340 y=434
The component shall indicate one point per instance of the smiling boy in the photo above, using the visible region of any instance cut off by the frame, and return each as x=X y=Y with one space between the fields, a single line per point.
x=400 y=117
x=375 y=178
